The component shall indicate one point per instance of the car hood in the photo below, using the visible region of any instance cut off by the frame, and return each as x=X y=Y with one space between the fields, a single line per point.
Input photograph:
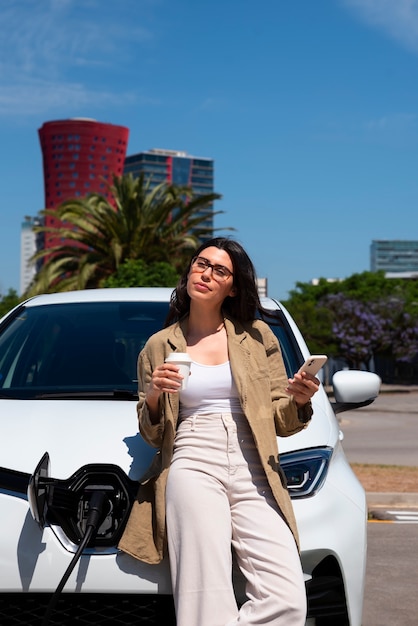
x=80 y=432
x=74 y=433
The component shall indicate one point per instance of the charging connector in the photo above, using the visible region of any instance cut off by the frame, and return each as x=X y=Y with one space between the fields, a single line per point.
x=91 y=508
x=98 y=505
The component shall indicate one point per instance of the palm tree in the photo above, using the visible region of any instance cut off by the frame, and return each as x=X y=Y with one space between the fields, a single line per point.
x=164 y=223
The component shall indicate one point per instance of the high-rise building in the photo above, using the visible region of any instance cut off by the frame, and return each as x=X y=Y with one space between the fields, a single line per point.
x=179 y=168
x=394 y=256
x=80 y=156
x=27 y=249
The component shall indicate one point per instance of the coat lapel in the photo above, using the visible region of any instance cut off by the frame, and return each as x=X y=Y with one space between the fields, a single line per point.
x=176 y=342
x=239 y=354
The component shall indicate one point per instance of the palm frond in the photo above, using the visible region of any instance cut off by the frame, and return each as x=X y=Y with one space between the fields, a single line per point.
x=94 y=237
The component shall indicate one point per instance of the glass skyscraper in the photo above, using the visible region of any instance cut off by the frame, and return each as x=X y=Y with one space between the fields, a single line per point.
x=179 y=168
x=394 y=256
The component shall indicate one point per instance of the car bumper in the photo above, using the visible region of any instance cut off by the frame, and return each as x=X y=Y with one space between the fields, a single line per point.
x=332 y=525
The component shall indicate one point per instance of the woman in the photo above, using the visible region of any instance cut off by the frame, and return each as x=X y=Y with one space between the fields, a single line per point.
x=216 y=480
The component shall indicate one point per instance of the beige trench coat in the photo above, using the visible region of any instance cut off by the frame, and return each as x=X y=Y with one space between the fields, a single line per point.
x=259 y=373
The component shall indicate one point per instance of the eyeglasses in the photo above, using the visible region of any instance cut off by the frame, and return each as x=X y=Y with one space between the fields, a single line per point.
x=219 y=272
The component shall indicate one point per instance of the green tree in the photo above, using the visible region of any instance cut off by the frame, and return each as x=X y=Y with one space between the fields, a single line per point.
x=7 y=302
x=364 y=287
x=315 y=322
x=165 y=224
x=362 y=316
x=137 y=273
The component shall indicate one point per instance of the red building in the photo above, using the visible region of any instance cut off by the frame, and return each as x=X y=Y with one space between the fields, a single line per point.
x=79 y=157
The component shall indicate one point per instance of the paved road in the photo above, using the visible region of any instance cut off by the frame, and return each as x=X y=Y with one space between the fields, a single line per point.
x=391 y=575
x=385 y=432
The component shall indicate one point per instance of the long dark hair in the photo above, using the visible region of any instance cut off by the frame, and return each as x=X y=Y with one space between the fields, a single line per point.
x=243 y=306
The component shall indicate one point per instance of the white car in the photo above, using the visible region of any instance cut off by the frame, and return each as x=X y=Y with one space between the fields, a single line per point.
x=71 y=456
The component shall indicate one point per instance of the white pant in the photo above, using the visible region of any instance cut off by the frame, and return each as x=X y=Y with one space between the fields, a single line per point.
x=218 y=496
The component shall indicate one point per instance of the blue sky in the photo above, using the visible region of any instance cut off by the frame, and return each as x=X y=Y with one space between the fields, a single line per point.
x=308 y=107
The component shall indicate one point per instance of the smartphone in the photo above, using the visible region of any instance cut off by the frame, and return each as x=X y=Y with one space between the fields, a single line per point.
x=313 y=364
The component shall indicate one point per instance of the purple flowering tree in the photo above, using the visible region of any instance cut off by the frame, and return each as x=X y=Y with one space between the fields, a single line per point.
x=358 y=330
x=363 y=316
x=401 y=329
x=362 y=330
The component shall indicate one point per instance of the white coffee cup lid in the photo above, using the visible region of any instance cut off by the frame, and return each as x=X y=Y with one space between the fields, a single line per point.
x=179 y=356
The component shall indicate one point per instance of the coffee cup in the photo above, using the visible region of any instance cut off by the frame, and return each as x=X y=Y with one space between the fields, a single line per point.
x=183 y=362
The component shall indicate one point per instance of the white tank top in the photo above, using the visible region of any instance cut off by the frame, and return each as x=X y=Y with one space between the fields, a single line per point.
x=210 y=389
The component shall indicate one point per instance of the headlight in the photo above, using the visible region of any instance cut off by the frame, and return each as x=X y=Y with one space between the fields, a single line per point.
x=305 y=470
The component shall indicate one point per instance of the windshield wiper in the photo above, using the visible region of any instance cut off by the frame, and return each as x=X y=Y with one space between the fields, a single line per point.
x=113 y=394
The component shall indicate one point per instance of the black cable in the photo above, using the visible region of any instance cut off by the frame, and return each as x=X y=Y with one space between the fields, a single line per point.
x=96 y=506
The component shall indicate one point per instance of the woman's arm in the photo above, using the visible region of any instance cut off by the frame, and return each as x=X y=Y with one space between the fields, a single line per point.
x=154 y=381
x=150 y=415
x=291 y=398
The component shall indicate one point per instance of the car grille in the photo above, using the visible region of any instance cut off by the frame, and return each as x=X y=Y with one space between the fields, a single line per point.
x=87 y=609
x=326 y=603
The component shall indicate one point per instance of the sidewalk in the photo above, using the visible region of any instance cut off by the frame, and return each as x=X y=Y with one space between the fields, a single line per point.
x=408 y=402
x=385 y=388
x=377 y=499
x=382 y=499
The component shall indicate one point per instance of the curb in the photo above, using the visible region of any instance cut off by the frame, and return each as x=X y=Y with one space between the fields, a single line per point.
x=377 y=499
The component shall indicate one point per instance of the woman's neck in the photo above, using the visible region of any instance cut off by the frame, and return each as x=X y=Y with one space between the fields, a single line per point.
x=202 y=323
x=206 y=337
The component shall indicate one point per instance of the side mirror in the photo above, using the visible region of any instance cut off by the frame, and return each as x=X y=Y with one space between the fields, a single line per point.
x=354 y=389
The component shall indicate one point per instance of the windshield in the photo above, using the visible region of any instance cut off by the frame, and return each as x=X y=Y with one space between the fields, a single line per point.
x=89 y=349
x=90 y=346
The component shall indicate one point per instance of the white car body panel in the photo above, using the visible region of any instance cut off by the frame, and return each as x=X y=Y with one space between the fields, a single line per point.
x=81 y=432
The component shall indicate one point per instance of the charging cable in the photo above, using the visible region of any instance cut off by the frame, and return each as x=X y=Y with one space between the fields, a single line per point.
x=97 y=503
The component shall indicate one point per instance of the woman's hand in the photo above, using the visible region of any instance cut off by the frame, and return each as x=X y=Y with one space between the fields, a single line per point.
x=165 y=379
x=302 y=387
